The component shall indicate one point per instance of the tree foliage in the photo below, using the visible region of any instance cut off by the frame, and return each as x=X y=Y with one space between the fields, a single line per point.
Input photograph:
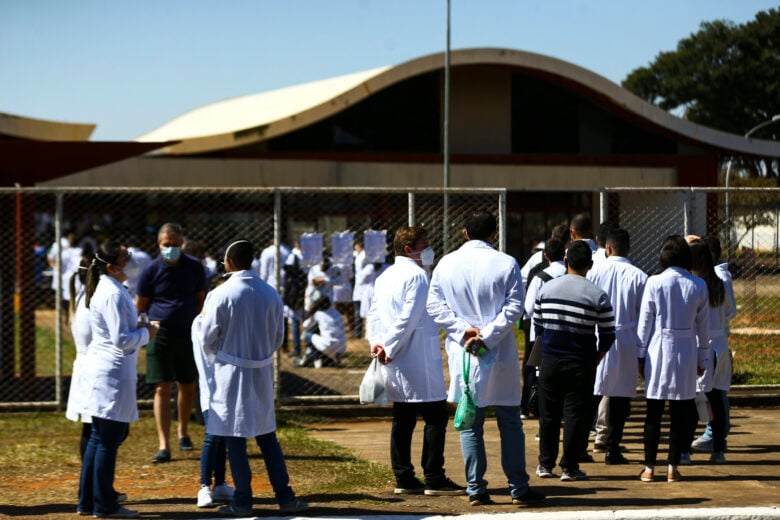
x=725 y=76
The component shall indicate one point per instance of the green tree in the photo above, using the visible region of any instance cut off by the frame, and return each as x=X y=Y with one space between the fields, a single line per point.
x=725 y=76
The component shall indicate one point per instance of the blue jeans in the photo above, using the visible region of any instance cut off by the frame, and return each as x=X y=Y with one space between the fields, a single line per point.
x=296 y=336
x=472 y=444
x=96 y=485
x=357 y=329
x=212 y=457
x=242 y=473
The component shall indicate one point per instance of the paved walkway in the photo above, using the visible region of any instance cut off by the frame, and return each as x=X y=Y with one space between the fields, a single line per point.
x=748 y=486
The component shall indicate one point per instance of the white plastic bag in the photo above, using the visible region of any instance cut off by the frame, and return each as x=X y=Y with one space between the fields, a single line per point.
x=372 y=388
x=703 y=407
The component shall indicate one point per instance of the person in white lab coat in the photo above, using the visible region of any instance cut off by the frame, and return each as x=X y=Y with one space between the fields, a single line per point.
x=323 y=333
x=241 y=329
x=616 y=378
x=673 y=322
x=108 y=385
x=704 y=442
x=716 y=380
x=476 y=296
x=405 y=339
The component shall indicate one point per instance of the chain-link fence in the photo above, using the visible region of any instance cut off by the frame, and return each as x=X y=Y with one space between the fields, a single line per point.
x=48 y=229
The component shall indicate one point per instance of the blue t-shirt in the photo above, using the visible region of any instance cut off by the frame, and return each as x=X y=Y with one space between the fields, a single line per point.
x=173 y=290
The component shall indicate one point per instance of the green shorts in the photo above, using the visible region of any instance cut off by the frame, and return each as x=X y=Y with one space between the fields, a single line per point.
x=169 y=358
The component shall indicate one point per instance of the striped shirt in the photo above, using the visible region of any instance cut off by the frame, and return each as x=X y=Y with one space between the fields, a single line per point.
x=567 y=313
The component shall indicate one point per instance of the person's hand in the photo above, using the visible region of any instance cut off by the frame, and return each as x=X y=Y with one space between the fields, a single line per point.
x=699 y=371
x=153 y=327
x=475 y=346
x=378 y=351
x=471 y=332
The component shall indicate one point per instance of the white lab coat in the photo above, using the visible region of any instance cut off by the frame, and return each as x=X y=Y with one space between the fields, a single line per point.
x=267 y=265
x=599 y=255
x=480 y=287
x=206 y=383
x=82 y=335
x=360 y=263
x=399 y=321
x=616 y=375
x=535 y=259
x=719 y=369
x=139 y=259
x=555 y=270
x=110 y=366
x=674 y=314
x=241 y=328
x=342 y=292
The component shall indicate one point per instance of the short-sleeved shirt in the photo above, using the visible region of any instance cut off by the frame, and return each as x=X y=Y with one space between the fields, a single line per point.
x=173 y=291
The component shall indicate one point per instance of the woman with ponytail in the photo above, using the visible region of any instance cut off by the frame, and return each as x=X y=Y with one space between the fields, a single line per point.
x=109 y=381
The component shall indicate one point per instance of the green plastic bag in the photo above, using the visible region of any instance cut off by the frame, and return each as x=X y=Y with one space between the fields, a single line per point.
x=467 y=408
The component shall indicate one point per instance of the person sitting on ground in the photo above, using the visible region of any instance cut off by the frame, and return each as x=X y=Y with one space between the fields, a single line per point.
x=324 y=334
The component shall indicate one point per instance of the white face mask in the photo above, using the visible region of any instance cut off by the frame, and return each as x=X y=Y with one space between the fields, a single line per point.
x=427 y=256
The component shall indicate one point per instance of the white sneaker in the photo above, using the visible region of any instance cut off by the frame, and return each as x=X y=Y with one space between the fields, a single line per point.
x=222 y=493
x=204 y=497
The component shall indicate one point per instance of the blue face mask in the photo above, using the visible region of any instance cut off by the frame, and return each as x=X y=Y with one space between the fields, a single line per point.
x=170 y=254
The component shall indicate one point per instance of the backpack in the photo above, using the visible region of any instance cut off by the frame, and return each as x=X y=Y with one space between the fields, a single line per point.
x=294 y=285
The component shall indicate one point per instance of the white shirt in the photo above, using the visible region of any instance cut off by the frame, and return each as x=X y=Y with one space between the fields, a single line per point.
x=139 y=259
x=241 y=328
x=480 y=287
x=332 y=338
x=110 y=365
x=82 y=335
x=535 y=259
x=555 y=270
x=399 y=321
x=616 y=374
x=674 y=319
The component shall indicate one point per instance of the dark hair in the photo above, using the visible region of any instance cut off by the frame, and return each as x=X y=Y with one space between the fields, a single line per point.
x=714 y=245
x=554 y=249
x=407 y=236
x=480 y=225
x=619 y=240
x=561 y=232
x=107 y=253
x=579 y=256
x=81 y=274
x=675 y=252
x=702 y=266
x=581 y=225
x=603 y=232
x=240 y=253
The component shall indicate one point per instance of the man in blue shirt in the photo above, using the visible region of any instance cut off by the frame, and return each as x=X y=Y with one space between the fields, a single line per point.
x=171 y=289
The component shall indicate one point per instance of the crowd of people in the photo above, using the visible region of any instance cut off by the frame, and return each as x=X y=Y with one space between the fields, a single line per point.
x=595 y=326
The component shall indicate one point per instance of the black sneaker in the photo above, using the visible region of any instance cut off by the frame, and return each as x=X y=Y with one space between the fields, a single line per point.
x=615 y=458
x=481 y=499
x=531 y=497
x=185 y=444
x=409 y=487
x=444 y=488
x=162 y=456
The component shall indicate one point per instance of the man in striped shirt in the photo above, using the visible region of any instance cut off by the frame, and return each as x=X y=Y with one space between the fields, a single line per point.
x=567 y=313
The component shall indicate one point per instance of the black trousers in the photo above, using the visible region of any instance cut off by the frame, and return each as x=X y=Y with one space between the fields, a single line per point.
x=528 y=371
x=435 y=415
x=718 y=422
x=619 y=408
x=565 y=392
x=683 y=419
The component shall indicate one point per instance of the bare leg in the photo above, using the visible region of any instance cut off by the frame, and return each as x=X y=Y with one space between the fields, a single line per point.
x=162 y=412
x=185 y=401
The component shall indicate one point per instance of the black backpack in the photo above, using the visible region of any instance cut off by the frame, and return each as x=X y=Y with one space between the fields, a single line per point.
x=294 y=285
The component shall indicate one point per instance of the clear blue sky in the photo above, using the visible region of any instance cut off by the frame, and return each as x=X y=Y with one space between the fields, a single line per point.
x=131 y=65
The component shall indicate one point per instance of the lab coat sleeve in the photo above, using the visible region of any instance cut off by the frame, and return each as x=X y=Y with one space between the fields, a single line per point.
x=605 y=324
x=530 y=296
x=211 y=329
x=511 y=311
x=124 y=335
x=399 y=333
x=647 y=312
x=703 y=328
x=373 y=324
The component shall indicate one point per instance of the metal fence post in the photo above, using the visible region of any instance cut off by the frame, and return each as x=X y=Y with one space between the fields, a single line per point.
x=410 y=203
x=58 y=304
x=502 y=221
x=687 y=212
x=602 y=205
x=277 y=269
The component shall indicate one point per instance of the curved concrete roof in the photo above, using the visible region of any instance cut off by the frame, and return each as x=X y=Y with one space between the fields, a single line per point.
x=255 y=118
x=21 y=127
